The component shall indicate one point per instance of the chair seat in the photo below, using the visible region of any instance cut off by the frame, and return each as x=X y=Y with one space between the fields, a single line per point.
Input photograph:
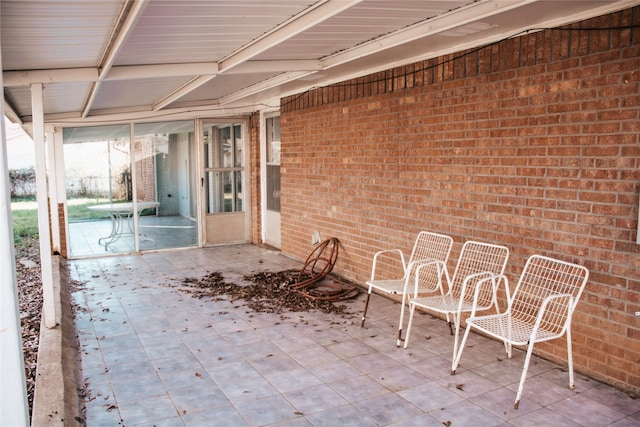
x=391 y=286
x=520 y=331
x=442 y=303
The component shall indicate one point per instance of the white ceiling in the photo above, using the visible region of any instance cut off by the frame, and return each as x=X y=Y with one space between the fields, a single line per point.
x=101 y=58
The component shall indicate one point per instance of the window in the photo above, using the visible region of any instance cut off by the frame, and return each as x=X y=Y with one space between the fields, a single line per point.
x=273 y=164
x=224 y=168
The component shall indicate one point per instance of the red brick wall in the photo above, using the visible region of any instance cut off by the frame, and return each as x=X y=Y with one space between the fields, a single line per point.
x=532 y=142
x=256 y=201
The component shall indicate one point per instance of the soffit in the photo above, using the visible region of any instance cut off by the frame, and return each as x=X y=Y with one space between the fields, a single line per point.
x=105 y=57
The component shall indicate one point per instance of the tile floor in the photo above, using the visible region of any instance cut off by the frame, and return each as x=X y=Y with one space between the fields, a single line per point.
x=154 y=356
x=156 y=232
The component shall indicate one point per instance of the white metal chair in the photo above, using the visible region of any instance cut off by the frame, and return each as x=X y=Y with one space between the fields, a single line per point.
x=540 y=310
x=480 y=266
x=430 y=249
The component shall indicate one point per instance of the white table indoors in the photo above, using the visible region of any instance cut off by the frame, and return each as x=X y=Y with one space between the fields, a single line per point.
x=121 y=219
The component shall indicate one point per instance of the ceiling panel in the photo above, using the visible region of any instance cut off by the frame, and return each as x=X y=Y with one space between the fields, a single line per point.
x=141 y=92
x=52 y=34
x=196 y=31
x=102 y=57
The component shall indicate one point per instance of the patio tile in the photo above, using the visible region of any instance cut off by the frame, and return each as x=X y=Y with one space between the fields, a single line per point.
x=313 y=354
x=500 y=402
x=430 y=396
x=293 y=379
x=614 y=399
x=226 y=416
x=399 y=378
x=142 y=388
x=586 y=411
x=542 y=417
x=168 y=422
x=468 y=384
x=268 y=410
x=424 y=420
x=465 y=413
x=248 y=389
x=541 y=391
x=274 y=364
x=360 y=388
x=232 y=371
x=349 y=349
x=196 y=399
x=388 y=409
x=342 y=416
x=147 y=410
x=374 y=362
x=152 y=355
x=314 y=399
x=335 y=370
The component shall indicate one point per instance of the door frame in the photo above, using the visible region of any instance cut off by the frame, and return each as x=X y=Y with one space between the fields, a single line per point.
x=243 y=217
x=264 y=214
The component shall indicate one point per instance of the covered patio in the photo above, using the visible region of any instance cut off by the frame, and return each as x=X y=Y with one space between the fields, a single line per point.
x=273 y=123
x=155 y=356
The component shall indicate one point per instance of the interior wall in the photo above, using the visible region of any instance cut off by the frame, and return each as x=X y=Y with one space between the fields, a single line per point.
x=532 y=142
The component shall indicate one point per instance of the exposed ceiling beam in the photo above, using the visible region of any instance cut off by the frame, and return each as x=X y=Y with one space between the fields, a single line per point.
x=125 y=72
x=126 y=22
x=308 y=18
x=294 y=25
x=439 y=24
x=11 y=114
x=181 y=91
x=263 y=85
x=62 y=75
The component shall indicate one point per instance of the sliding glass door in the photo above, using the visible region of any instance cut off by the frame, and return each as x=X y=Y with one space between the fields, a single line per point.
x=125 y=196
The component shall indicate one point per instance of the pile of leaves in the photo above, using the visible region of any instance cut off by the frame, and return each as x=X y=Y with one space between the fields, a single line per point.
x=29 y=278
x=265 y=292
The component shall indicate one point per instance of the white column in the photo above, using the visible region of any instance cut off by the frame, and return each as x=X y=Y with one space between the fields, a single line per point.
x=14 y=409
x=53 y=191
x=51 y=318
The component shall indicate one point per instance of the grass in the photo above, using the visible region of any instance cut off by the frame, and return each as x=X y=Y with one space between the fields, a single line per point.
x=25 y=223
x=25 y=215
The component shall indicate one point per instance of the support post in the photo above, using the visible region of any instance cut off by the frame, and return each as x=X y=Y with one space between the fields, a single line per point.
x=51 y=318
x=14 y=409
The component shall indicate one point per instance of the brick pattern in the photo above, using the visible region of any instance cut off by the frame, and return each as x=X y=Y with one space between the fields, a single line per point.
x=532 y=142
x=254 y=176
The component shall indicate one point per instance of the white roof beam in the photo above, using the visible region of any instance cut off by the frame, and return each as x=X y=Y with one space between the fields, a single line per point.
x=11 y=114
x=453 y=19
x=181 y=91
x=295 y=25
x=62 y=75
x=162 y=70
x=122 y=29
x=125 y=72
x=263 y=85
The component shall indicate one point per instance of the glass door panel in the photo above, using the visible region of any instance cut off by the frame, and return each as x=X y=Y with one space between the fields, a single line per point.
x=223 y=182
x=97 y=162
x=165 y=184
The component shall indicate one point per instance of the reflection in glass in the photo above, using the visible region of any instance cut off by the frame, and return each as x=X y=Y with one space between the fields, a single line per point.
x=104 y=187
x=165 y=169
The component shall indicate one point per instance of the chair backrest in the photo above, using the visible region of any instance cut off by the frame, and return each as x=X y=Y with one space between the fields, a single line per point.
x=429 y=246
x=543 y=277
x=478 y=257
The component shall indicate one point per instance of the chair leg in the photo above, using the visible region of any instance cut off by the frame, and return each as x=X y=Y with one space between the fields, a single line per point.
x=457 y=357
x=527 y=359
x=572 y=385
x=412 y=309
x=404 y=301
x=366 y=305
x=456 y=321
